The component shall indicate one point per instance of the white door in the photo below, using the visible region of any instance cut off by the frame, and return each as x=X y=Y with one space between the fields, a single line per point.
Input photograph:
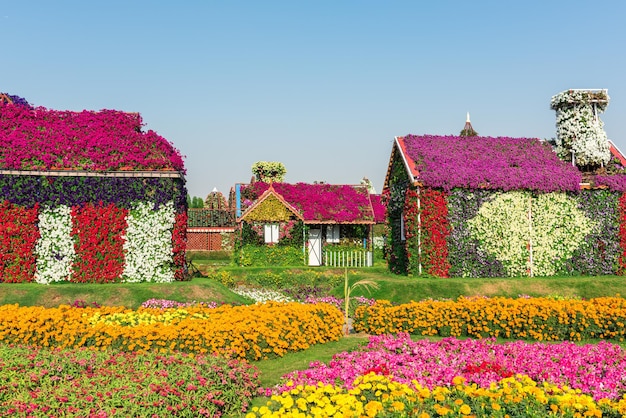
x=315 y=247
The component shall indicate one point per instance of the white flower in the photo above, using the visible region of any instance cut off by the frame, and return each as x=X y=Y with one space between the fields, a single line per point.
x=556 y=228
x=148 y=243
x=55 y=248
x=580 y=132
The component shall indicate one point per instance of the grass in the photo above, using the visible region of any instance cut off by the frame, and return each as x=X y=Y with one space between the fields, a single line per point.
x=400 y=289
x=130 y=295
x=272 y=370
x=397 y=289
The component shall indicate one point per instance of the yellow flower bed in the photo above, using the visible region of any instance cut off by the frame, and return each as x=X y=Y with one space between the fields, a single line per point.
x=251 y=332
x=541 y=319
x=374 y=395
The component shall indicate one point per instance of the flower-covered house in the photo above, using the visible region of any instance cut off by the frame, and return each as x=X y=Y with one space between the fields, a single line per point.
x=88 y=197
x=313 y=224
x=471 y=206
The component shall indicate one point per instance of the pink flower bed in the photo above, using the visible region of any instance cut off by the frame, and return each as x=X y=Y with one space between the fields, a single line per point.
x=596 y=369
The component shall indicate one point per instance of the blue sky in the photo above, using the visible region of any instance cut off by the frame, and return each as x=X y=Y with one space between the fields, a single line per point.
x=321 y=86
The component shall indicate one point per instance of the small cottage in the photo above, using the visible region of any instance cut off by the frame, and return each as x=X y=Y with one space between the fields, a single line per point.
x=324 y=224
x=471 y=206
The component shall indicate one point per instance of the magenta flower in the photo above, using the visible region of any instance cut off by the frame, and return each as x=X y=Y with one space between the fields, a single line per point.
x=43 y=139
x=324 y=202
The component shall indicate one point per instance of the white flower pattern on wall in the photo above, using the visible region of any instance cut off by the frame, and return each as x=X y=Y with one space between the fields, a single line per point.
x=555 y=230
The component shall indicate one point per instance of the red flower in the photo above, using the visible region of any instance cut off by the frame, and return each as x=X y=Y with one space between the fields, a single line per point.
x=622 y=234
x=18 y=237
x=98 y=243
x=381 y=369
x=179 y=244
x=430 y=220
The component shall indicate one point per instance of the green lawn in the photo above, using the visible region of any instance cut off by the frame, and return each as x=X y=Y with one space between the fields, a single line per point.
x=397 y=289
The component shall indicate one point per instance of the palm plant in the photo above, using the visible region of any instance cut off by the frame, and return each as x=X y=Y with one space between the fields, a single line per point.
x=348 y=288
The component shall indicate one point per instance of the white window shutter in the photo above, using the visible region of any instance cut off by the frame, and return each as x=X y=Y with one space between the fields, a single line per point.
x=271 y=233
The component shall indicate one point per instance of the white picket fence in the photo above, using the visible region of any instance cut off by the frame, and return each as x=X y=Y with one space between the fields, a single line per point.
x=348 y=258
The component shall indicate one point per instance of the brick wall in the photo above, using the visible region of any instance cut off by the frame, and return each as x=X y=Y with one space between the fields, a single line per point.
x=209 y=240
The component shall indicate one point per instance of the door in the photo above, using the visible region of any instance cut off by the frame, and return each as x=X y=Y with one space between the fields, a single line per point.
x=315 y=247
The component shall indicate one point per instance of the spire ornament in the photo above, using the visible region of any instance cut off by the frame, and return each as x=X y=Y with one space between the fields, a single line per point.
x=468 y=130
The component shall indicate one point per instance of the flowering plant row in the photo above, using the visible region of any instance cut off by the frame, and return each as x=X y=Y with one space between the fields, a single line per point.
x=123 y=192
x=43 y=139
x=300 y=284
x=18 y=237
x=100 y=384
x=431 y=220
x=594 y=369
x=92 y=243
x=251 y=332
x=375 y=395
x=395 y=200
x=541 y=319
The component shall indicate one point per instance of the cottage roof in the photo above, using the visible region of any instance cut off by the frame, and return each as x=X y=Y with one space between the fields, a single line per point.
x=615 y=152
x=504 y=163
x=269 y=193
x=43 y=139
x=318 y=203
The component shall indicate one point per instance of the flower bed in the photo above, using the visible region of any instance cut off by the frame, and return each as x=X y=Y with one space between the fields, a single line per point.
x=81 y=382
x=595 y=369
x=373 y=395
x=251 y=332
x=542 y=319
x=395 y=376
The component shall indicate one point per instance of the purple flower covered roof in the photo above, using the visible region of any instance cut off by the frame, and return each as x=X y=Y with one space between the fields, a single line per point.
x=615 y=182
x=504 y=163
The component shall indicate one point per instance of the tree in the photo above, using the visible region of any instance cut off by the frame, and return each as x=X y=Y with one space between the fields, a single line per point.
x=269 y=171
x=194 y=202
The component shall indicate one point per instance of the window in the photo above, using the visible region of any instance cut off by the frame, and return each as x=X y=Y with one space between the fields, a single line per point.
x=271 y=233
x=402 y=226
x=332 y=233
